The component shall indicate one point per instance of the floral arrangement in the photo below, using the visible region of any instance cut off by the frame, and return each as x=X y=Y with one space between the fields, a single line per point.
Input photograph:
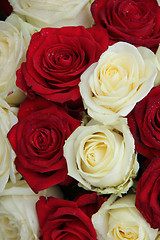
x=80 y=120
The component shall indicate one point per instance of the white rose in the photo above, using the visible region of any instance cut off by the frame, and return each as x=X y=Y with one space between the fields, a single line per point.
x=123 y=76
x=121 y=220
x=55 y=13
x=102 y=158
x=15 y=35
x=18 y=218
x=8 y=118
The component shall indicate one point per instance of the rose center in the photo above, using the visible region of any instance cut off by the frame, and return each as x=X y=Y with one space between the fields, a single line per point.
x=42 y=138
x=95 y=150
x=9 y=228
x=110 y=78
x=130 y=10
x=124 y=232
x=157 y=118
x=59 y=57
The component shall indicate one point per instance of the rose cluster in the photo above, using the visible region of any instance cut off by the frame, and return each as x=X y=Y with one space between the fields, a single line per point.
x=80 y=120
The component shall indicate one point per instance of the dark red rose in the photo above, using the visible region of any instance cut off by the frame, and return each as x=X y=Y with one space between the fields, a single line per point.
x=38 y=140
x=61 y=219
x=144 y=123
x=5 y=7
x=57 y=57
x=133 y=21
x=148 y=193
x=90 y=203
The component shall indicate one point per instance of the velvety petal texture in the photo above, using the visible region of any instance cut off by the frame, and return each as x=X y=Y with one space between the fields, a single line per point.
x=133 y=21
x=144 y=123
x=148 y=194
x=90 y=203
x=63 y=219
x=56 y=58
x=38 y=140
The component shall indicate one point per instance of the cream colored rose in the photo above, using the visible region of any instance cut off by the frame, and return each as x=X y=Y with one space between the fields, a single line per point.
x=18 y=218
x=15 y=35
x=120 y=219
x=54 y=13
x=102 y=158
x=8 y=118
x=123 y=76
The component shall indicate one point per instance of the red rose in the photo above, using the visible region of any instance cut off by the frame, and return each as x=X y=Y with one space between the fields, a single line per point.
x=144 y=123
x=38 y=140
x=61 y=219
x=90 y=203
x=148 y=193
x=133 y=21
x=57 y=57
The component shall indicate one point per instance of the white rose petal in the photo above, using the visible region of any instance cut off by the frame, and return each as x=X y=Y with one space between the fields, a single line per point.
x=102 y=158
x=123 y=76
x=18 y=218
x=121 y=220
x=157 y=82
x=15 y=36
x=54 y=13
x=7 y=169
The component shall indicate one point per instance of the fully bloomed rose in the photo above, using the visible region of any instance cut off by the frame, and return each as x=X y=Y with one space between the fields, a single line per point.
x=133 y=21
x=38 y=140
x=123 y=76
x=56 y=58
x=148 y=194
x=102 y=157
x=144 y=123
x=54 y=13
x=63 y=219
x=120 y=219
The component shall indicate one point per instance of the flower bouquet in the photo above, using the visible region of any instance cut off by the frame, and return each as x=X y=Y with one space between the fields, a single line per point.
x=80 y=120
